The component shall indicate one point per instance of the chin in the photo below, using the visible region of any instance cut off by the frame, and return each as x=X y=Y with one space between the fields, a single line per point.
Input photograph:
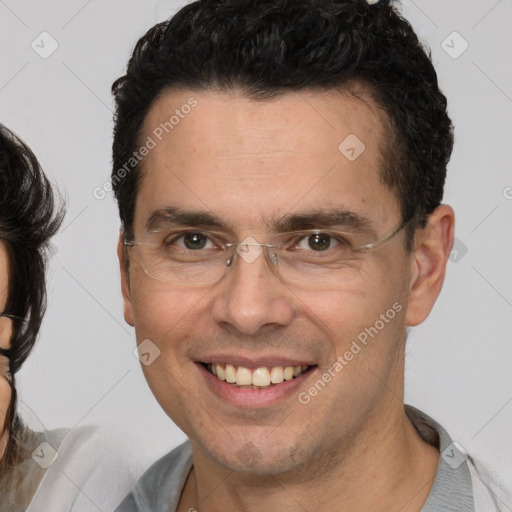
x=249 y=459
x=258 y=457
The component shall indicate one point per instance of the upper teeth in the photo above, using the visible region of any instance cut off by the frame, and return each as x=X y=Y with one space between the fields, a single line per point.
x=260 y=377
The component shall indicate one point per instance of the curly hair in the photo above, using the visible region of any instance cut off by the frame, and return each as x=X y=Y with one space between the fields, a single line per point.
x=29 y=217
x=270 y=47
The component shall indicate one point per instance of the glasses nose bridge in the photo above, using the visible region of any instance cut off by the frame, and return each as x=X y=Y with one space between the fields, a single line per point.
x=249 y=256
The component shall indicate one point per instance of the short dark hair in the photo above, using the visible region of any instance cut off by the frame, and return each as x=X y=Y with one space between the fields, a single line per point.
x=28 y=218
x=266 y=48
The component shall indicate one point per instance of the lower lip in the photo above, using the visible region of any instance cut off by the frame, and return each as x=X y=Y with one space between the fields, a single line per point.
x=254 y=398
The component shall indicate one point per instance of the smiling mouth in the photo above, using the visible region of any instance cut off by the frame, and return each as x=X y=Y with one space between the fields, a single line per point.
x=258 y=378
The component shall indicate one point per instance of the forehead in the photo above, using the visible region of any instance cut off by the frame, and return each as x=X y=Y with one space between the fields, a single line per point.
x=244 y=160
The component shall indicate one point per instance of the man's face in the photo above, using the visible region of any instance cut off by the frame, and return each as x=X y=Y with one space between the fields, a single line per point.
x=248 y=163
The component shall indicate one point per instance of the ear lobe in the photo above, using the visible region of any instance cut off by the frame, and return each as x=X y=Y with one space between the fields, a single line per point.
x=428 y=263
x=125 y=280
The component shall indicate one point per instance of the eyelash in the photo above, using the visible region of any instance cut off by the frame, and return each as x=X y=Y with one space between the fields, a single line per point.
x=183 y=234
x=167 y=242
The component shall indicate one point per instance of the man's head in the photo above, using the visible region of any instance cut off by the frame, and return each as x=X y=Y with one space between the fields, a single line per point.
x=270 y=48
x=240 y=121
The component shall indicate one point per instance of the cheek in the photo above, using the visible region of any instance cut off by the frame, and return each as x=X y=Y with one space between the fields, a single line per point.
x=355 y=306
x=164 y=312
x=364 y=326
x=5 y=332
x=165 y=320
x=5 y=399
x=5 y=389
x=170 y=320
x=159 y=308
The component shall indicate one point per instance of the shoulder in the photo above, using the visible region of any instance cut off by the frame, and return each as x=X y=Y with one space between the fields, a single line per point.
x=19 y=483
x=159 y=488
x=489 y=495
x=89 y=464
x=459 y=481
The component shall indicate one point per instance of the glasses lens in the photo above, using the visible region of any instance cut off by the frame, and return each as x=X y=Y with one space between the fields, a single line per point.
x=169 y=267
x=310 y=256
x=317 y=257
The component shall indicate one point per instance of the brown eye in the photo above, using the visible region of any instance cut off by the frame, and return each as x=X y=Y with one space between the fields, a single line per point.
x=195 y=240
x=319 y=242
x=316 y=242
x=192 y=241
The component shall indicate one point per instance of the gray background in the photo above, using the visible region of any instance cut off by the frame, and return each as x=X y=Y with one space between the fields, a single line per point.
x=83 y=369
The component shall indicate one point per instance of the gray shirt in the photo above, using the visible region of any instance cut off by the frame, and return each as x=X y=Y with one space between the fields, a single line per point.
x=453 y=490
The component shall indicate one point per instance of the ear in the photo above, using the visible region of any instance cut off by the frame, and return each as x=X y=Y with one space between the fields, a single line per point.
x=125 y=280
x=433 y=245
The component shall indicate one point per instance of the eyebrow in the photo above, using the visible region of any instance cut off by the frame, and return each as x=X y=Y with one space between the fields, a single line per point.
x=338 y=218
x=173 y=216
x=312 y=219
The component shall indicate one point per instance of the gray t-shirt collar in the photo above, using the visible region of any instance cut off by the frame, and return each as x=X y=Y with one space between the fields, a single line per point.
x=160 y=488
x=452 y=490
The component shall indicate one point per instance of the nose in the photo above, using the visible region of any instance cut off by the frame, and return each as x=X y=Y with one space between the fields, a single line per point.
x=251 y=298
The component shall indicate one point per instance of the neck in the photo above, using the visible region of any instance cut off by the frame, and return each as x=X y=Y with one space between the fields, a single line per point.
x=386 y=466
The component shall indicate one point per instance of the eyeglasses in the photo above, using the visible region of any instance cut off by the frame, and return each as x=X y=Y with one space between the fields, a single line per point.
x=192 y=256
x=12 y=317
